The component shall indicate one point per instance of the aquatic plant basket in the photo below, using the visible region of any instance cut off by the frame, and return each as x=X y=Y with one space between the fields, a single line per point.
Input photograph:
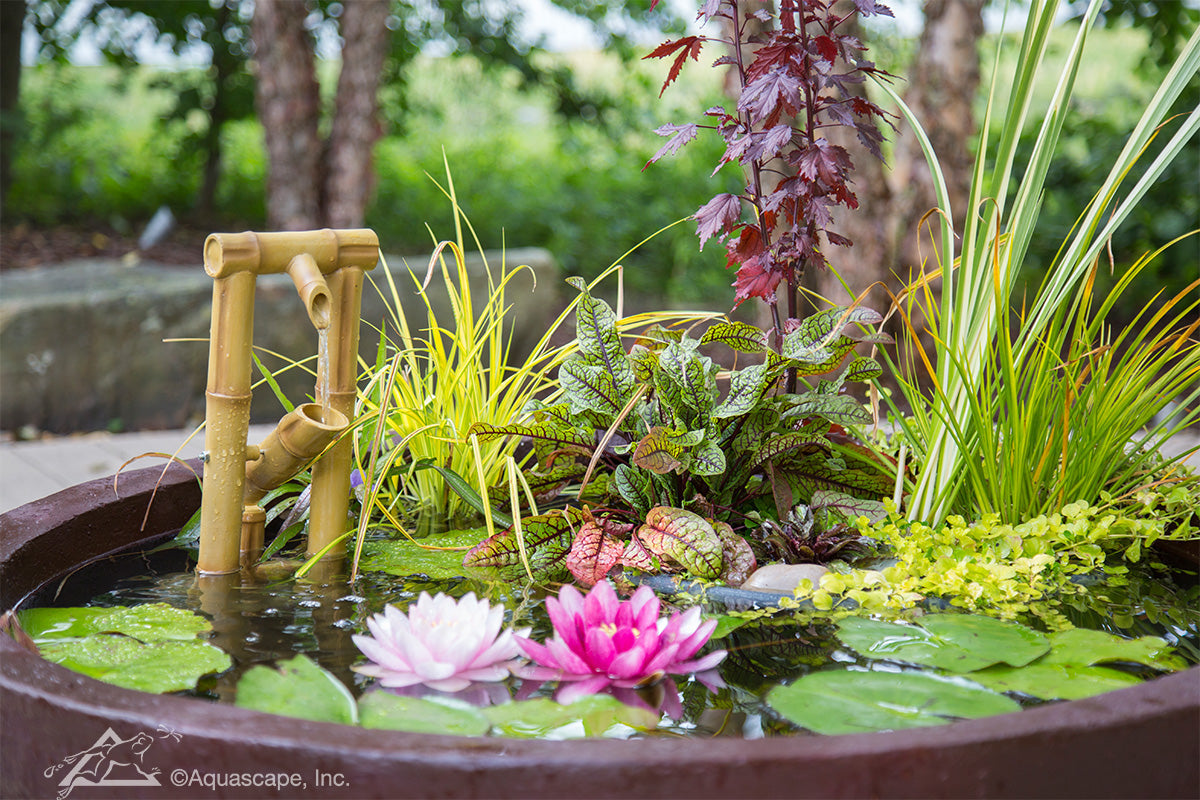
x=1142 y=741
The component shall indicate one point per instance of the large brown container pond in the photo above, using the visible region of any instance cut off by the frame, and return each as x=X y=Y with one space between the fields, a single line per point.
x=1138 y=742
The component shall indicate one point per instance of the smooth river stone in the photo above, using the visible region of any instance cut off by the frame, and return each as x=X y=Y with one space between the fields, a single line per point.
x=783 y=577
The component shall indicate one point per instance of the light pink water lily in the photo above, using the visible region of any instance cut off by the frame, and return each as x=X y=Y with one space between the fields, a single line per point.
x=443 y=644
x=600 y=641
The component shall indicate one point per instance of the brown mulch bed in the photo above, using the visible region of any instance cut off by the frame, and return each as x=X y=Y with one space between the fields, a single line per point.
x=23 y=246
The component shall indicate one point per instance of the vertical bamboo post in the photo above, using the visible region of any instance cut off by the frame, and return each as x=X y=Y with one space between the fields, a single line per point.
x=227 y=418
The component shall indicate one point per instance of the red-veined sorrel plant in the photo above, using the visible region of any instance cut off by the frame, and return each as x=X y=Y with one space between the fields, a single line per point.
x=793 y=91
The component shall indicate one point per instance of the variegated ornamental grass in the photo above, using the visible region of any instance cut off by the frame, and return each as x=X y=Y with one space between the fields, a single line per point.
x=1021 y=423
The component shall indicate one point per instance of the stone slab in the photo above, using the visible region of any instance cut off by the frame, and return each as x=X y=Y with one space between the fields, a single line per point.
x=102 y=345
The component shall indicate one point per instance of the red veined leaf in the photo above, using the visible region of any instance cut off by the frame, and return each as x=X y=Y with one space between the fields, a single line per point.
x=593 y=553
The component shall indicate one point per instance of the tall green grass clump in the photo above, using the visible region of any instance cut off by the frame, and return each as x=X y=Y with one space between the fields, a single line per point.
x=1019 y=418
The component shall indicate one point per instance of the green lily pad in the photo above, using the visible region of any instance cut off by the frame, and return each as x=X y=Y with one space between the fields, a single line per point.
x=725 y=624
x=1054 y=681
x=849 y=701
x=954 y=642
x=167 y=666
x=298 y=688
x=403 y=557
x=151 y=622
x=150 y=648
x=381 y=709
x=594 y=715
x=1083 y=647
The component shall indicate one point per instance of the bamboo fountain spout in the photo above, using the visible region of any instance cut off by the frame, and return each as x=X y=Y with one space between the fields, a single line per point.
x=327 y=267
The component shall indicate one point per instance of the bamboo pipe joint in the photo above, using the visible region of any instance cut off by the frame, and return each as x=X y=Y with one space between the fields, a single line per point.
x=300 y=436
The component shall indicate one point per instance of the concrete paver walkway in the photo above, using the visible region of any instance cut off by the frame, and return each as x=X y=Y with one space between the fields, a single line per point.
x=35 y=469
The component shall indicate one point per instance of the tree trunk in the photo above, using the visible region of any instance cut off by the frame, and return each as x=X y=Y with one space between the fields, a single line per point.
x=288 y=103
x=945 y=83
x=12 y=17
x=221 y=72
x=349 y=178
x=865 y=266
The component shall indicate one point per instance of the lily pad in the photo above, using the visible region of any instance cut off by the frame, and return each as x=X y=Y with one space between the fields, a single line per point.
x=151 y=622
x=381 y=709
x=726 y=624
x=593 y=715
x=298 y=688
x=404 y=557
x=1054 y=681
x=166 y=666
x=848 y=701
x=1083 y=647
x=150 y=648
x=954 y=642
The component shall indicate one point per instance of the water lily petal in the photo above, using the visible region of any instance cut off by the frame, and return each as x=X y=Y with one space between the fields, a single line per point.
x=572 y=691
x=567 y=624
x=644 y=604
x=600 y=648
x=441 y=642
x=630 y=664
x=566 y=659
x=600 y=605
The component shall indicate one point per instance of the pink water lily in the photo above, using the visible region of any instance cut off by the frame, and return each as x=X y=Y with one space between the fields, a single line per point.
x=443 y=644
x=600 y=641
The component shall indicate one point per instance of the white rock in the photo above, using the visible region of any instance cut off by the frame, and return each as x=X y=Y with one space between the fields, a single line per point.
x=783 y=577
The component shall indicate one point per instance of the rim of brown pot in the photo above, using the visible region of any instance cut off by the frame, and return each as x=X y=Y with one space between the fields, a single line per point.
x=1143 y=741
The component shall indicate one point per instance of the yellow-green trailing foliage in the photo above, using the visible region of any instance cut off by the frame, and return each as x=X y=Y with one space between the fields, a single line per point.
x=990 y=566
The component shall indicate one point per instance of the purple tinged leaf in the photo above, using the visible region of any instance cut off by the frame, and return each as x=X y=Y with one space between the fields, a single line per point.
x=737 y=335
x=773 y=93
x=680 y=135
x=746 y=389
x=871 y=7
x=657 y=452
x=735 y=150
x=824 y=162
x=789 y=444
x=636 y=556
x=718 y=215
x=708 y=459
x=767 y=145
x=547 y=541
x=851 y=507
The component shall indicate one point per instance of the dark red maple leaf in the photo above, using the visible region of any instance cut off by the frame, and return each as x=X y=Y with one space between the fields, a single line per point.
x=688 y=46
x=755 y=280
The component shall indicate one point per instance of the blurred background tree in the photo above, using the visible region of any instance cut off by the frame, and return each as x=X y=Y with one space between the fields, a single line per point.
x=546 y=147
